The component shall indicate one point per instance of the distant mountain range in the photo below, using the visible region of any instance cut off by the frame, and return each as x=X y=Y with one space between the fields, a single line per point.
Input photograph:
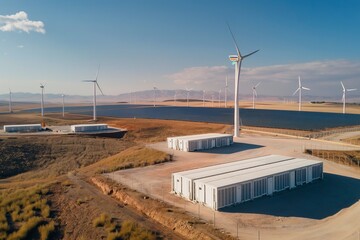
x=161 y=95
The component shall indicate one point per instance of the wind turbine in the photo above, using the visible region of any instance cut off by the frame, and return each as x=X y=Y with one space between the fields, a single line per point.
x=96 y=85
x=219 y=98
x=175 y=97
x=344 y=95
x=300 y=92
x=42 y=86
x=10 y=101
x=155 y=88
x=254 y=93
x=237 y=60
x=203 y=98
x=187 y=95
x=63 y=105
x=226 y=89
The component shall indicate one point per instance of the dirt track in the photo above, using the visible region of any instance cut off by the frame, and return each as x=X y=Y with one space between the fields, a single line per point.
x=106 y=204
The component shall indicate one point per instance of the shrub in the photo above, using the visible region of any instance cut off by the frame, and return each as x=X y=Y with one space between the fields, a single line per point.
x=101 y=220
x=131 y=230
x=114 y=236
x=45 y=230
x=25 y=229
x=4 y=226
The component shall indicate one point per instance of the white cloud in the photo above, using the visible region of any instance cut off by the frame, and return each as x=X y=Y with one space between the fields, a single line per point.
x=277 y=79
x=20 y=22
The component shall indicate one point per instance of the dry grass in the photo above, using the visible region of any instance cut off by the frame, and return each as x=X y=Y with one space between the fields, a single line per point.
x=45 y=230
x=51 y=156
x=149 y=131
x=127 y=230
x=21 y=211
x=137 y=156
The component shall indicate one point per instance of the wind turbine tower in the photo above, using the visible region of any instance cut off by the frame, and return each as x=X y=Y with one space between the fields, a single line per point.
x=175 y=97
x=187 y=95
x=63 y=105
x=10 y=101
x=155 y=88
x=255 y=93
x=226 y=89
x=96 y=85
x=237 y=60
x=344 y=95
x=300 y=88
x=219 y=98
x=42 y=86
x=203 y=98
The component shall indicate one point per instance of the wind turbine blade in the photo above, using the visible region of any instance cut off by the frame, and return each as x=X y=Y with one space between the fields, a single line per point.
x=99 y=88
x=255 y=93
x=97 y=74
x=296 y=91
x=343 y=97
x=305 y=88
x=250 y=54
x=299 y=82
x=88 y=80
x=351 y=89
x=342 y=85
x=233 y=37
x=257 y=85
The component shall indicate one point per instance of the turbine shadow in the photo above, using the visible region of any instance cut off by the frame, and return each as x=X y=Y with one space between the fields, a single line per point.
x=317 y=200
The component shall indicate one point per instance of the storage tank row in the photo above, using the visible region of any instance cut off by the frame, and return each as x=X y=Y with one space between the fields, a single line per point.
x=88 y=127
x=23 y=128
x=232 y=183
x=199 y=142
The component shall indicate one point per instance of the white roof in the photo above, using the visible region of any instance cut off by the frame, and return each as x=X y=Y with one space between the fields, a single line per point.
x=258 y=172
x=24 y=125
x=202 y=136
x=232 y=166
x=88 y=125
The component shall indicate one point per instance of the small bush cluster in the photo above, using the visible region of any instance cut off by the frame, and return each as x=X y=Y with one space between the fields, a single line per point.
x=128 y=230
x=27 y=210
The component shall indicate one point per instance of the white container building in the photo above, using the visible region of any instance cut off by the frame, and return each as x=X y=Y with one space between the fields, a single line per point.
x=244 y=185
x=88 y=127
x=23 y=128
x=183 y=182
x=199 y=142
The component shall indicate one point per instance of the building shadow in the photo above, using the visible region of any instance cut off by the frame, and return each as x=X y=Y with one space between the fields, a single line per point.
x=317 y=200
x=233 y=148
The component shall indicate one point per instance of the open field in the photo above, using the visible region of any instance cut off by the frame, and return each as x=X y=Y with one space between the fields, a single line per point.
x=67 y=163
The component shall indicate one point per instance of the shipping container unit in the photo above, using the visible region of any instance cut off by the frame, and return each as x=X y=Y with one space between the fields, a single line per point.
x=23 y=128
x=88 y=127
x=173 y=143
x=252 y=183
x=200 y=142
x=183 y=182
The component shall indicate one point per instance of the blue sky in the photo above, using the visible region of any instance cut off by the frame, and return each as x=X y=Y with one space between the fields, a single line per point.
x=179 y=44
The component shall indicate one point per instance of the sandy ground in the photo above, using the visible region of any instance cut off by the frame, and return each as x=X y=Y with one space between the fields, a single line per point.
x=328 y=209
